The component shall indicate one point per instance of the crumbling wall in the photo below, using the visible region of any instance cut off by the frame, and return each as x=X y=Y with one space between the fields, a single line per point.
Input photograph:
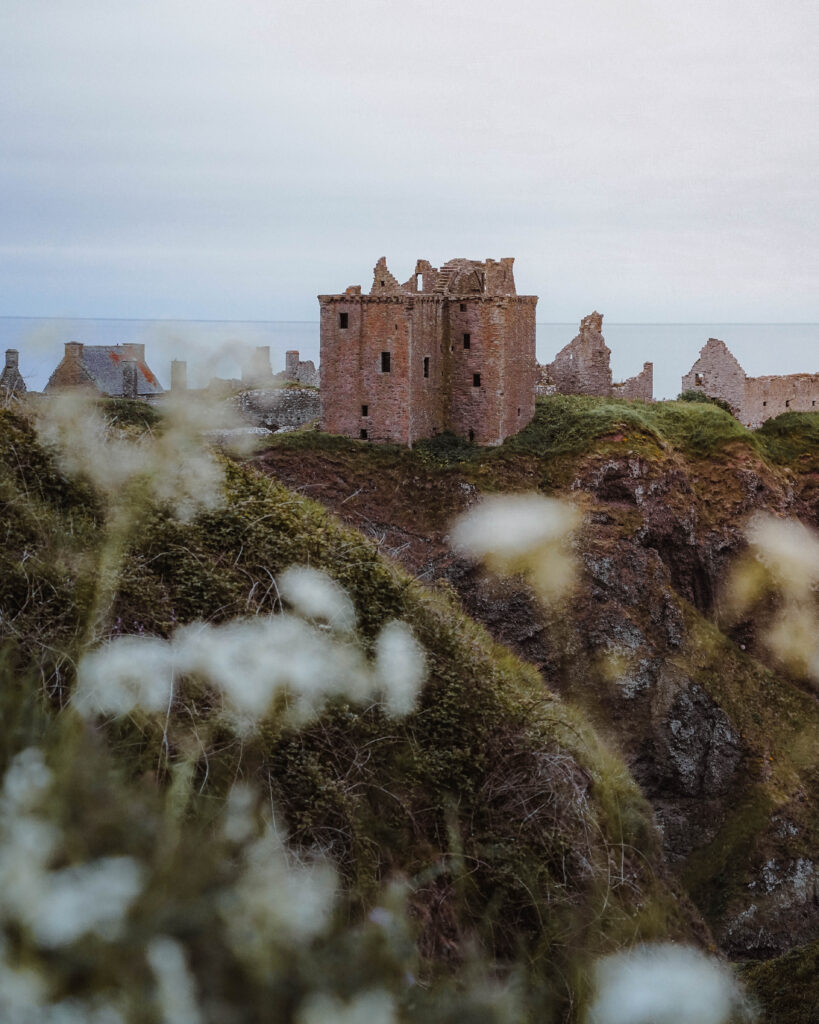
x=766 y=397
x=582 y=367
x=640 y=387
x=718 y=374
x=70 y=372
x=298 y=371
x=279 y=408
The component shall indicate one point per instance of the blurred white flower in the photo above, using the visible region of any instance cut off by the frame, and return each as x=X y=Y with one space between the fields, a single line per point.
x=662 y=984
x=400 y=667
x=521 y=533
x=788 y=549
x=314 y=595
x=239 y=823
x=277 y=899
x=128 y=672
x=88 y=898
x=373 y=1007
x=26 y=781
x=176 y=992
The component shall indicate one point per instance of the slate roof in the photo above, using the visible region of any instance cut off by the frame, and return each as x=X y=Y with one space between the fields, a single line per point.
x=103 y=364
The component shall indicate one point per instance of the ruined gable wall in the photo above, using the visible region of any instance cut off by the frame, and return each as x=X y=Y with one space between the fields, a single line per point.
x=583 y=366
x=70 y=373
x=766 y=397
x=640 y=387
x=717 y=374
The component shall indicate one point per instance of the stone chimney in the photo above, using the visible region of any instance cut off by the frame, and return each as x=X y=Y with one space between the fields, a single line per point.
x=132 y=350
x=179 y=375
x=10 y=378
x=73 y=350
x=130 y=376
x=291 y=363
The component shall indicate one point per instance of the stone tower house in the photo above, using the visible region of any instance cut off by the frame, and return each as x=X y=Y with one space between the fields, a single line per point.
x=450 y=349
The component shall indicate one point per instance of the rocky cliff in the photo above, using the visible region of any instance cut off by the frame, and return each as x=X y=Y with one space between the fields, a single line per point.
x=721 y=740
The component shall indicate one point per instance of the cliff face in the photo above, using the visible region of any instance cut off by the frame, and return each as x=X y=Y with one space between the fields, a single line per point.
x=722 y=744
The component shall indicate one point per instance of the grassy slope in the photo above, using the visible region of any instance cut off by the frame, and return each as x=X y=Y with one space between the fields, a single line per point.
x=495 y=798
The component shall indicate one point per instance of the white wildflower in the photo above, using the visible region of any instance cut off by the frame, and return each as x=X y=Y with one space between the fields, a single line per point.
x=277 y=899
x=400 y=667
x=662 y=984
x=314 y=595
x=89 y=898
x=176 y=991
x=126 y=673
x=26 y=781
x=373 y=1007
x=521 y=533
x=788 y=549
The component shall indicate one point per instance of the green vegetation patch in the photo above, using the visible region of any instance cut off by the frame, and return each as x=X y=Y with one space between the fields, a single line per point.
x=787 y=987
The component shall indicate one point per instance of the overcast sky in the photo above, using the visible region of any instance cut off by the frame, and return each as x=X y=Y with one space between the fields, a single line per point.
x=653 y=159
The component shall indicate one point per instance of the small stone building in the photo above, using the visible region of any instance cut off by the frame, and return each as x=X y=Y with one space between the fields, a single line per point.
x=450 y=349
x=583 y=368
x=11 y=380
x=752 y=399
x=119 y=371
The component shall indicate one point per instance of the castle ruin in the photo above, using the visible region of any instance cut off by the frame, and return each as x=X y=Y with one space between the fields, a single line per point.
x=583 y=368
x=450 y=349
x=11 y=380
x=753 y=400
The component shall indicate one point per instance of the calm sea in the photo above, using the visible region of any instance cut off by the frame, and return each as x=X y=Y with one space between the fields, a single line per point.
x=216 y=348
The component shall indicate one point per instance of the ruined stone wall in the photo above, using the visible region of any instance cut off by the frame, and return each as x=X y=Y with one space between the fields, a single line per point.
x=583 y=366
x=284 y=408
x=766 y=397
x=718 y=374
x=640 y=387
x=11 y=380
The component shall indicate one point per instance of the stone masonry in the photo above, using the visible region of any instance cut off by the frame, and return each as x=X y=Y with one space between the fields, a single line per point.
x=752 y=399
x=450 y=349
x=11 y=380
x=583 y=368
x=114 y=370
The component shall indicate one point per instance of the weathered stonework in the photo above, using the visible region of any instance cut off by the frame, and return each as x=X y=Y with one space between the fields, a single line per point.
x=583 y=368
x=752 y=399
x=11 y=380
x=279 y=409
x=450 y=349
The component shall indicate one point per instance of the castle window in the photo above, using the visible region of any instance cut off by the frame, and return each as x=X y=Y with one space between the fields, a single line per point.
x=476 y=380
x=362 y=434
x=698 y=379
x=385 y=362
x=420 y=282
x=426 y=366
x=382 y=284
x=467 y=341
x=343 y=320
x=787 y=403
x=365 y=410
x=463 y=307
x=764 y=403
x=471 y=435
x=518 y=410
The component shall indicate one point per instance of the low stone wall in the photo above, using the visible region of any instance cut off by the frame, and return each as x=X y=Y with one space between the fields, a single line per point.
x=284 y=408
x=640 y=387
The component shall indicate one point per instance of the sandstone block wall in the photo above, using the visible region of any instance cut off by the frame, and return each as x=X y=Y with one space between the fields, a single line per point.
x=752 y=399
x=583 y=367
x=450 y=349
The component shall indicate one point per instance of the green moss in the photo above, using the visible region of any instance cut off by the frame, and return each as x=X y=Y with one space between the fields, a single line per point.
x=787 y=987
x=792 y=439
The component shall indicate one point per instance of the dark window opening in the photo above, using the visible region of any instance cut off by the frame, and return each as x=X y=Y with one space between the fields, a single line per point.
x=362 y=434
x=426 y=366
x=365 y=410
x=343 y=320
x=385 y=362
x=463 y=307
x=787 y=403
x=471 y=435
x=382 y=284
x=698 y=378
x=467 y=341
x=476 y=380
x=518 y=410
x=813 y=402
x=764 y=403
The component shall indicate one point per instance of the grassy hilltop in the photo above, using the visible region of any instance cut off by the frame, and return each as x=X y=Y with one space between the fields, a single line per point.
x=505 y=829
